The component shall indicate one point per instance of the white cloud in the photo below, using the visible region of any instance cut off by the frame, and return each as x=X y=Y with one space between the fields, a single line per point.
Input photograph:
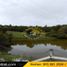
x=33 y=12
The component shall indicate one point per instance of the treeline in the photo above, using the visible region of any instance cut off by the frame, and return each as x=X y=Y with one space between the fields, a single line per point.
x=12 y=28
x=23 y=28
x=58 y=31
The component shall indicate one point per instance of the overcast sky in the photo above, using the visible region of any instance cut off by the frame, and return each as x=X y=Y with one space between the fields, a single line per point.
x=33 y=12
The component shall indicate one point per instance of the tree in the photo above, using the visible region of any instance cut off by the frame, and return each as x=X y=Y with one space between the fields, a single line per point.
x=63 y=30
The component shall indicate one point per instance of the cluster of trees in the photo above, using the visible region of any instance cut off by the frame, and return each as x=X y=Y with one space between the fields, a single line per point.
x=5 y=40
x=34 y=32
x=59 y=31
x=12 y=28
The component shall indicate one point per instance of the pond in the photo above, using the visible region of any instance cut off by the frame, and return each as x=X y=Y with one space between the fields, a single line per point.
x=39 y=49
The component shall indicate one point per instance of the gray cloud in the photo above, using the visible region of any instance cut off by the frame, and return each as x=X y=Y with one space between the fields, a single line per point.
x=33 y=12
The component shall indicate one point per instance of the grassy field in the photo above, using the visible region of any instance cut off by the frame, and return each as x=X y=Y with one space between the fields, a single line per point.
x=17 y=35
x=23 y=35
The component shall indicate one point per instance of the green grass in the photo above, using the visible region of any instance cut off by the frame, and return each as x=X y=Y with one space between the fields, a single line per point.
x=9 y=57
x=22 y=35
x=17 y=35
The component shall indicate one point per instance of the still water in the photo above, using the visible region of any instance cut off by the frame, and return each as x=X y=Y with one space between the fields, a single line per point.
x=39 y=50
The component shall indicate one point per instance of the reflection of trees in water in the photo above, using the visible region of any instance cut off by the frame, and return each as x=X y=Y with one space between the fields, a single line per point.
x=31 y=43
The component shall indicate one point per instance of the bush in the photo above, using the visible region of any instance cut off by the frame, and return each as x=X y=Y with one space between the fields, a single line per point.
x=62 y=36
x=57 y=35
x=5 y=39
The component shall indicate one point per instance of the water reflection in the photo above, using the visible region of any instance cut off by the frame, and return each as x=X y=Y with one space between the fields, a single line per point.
x=38 y=51
x=32 y=43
